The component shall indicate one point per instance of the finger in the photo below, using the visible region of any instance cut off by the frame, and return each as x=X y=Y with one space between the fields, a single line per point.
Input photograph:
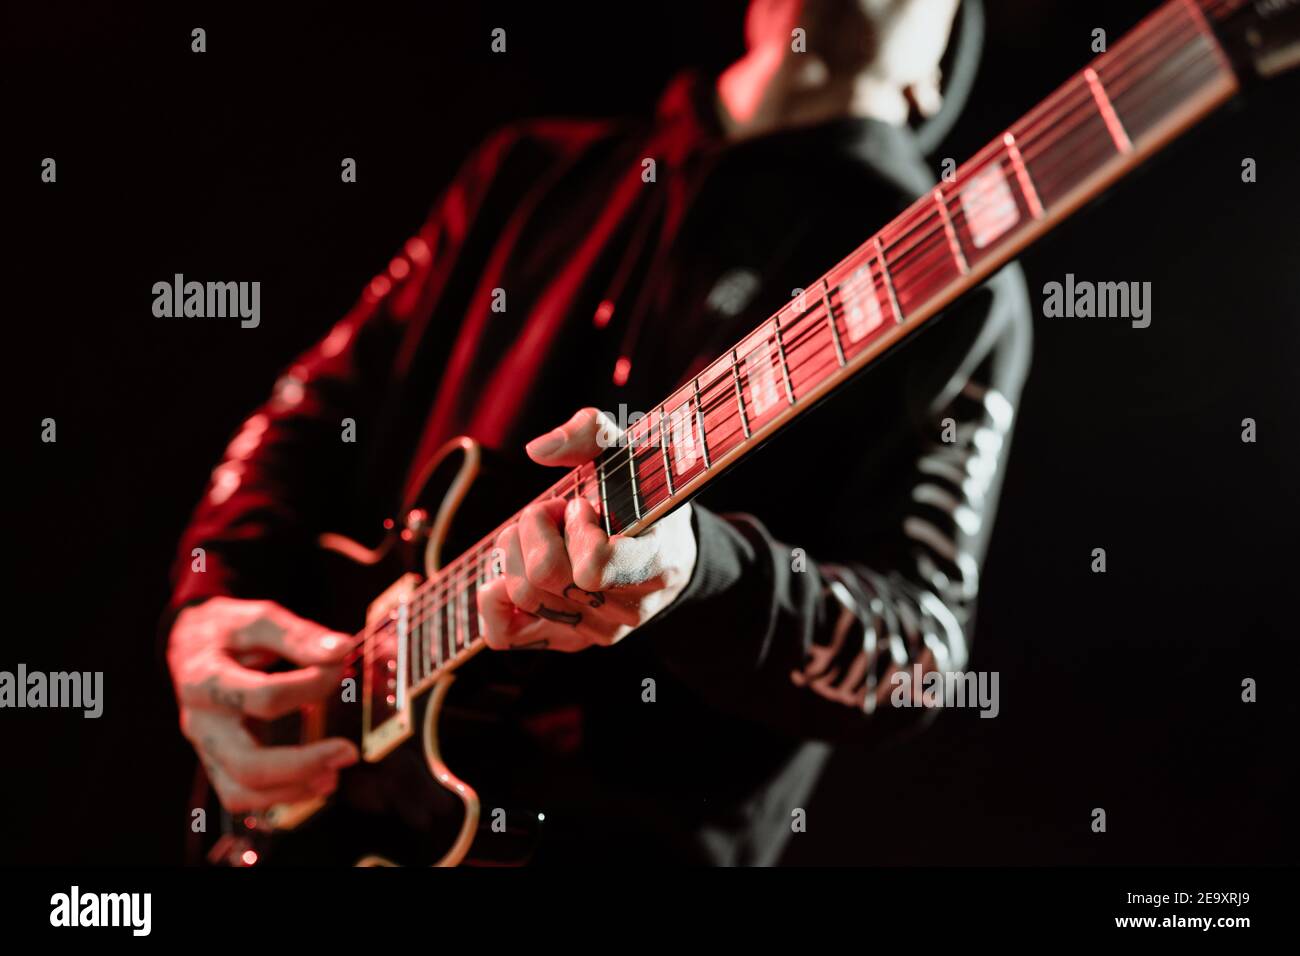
x=226 y=742
x=526 y=595
x=280 y=630
x=505 y=627
x=577 y=441
x=212 y=681
x=541 y=543
x=237 y=798
x=600 y=562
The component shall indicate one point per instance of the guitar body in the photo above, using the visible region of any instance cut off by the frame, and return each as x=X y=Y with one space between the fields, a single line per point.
x=406 y=803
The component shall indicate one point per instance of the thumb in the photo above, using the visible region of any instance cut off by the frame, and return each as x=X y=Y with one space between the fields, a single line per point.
x=303 y=642
x=577 y=441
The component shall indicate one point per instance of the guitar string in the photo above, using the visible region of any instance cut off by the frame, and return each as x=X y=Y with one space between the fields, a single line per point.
x=938 y=256
x=813 y=322
x=813 y=318
x=1047 y=113
x=430 y=596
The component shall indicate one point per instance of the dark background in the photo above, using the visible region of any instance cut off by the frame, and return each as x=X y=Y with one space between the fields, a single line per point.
x=1119 y=690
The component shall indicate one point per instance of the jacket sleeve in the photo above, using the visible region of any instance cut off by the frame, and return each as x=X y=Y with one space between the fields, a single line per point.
x=812 y=646
x=291 y=467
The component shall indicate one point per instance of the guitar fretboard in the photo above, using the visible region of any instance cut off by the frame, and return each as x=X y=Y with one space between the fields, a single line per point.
x=1164 y=75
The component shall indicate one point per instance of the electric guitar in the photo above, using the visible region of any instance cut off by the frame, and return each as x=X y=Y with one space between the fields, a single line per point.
x=1173 y=69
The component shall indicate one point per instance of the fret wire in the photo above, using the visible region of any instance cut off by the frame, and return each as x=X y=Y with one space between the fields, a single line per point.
x=921 y=272
x=604 y=503
x=889 y=281
x=437 y=633
x=957 y=254
x=663 y=447
x=740 y=394
x=631 y=467
x=1022 y=175
x=422 y=670
x=1107 y=111
x=464 y=614
x=699 y=423
x=780 y=351
x=403 y=645
x=1051 y=108
x=1130 y=53
x=453 y=638
x=830 y=317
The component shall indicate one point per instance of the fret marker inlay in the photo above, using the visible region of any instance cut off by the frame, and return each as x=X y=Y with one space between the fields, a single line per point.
x=989 y=205
x=683 y=428
x=762 y=378
x=863 y=315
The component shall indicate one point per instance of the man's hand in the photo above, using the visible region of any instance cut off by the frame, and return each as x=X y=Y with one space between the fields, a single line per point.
x=568 y=585
x=211 y=648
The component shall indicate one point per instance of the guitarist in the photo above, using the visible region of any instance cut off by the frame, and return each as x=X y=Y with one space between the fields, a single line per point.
x=563 y=270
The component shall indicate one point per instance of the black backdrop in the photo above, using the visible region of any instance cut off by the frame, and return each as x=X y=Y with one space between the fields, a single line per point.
x=1119 y=690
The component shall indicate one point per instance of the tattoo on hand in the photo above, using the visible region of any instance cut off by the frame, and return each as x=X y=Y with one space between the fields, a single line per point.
x=571 y=618
x=589 y=598
x=223 y=698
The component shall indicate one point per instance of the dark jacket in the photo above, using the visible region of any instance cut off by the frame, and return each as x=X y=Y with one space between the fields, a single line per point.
x=771 y=653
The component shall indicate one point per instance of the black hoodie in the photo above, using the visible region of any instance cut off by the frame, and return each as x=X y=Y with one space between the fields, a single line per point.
x=848 y=550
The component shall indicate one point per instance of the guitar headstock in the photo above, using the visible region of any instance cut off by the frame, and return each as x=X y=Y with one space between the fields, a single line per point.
x=1262 y=37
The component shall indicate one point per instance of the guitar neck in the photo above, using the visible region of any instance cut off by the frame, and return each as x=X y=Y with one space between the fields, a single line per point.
x=1159 y=79
x=1162 y=77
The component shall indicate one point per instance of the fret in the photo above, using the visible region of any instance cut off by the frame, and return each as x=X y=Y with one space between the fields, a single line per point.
x=453 y=635
x=621 y=503
x=684 y=445
x=785 y=366
x=636 y=501
x=808 y=345
x=1022 y=176
x=429 y=619
x=418 y=670
x=720 y=418
x=989 y=207
x=436 y=621
x=649 y=487
x=950 y=232
x=889 y=282
x=469 y=600
x=740 y=396
x=463 y=618
x=1059 y=156
x=699 y=423
x=835 y=333
x=663 y=446
x=1107 y=111
x=760 y=387
x=402 y=651
x=604 y=502
x=1190 y=64
x=862 y=301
